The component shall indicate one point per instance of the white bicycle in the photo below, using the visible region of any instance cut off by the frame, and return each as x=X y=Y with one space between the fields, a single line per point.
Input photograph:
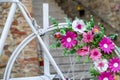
x=37 y=32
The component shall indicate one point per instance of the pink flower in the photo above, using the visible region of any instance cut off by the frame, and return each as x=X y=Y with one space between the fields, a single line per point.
x=83 y=51
x=101 y=65
x=95 y=54
x=106 y=45
x=79 y=26
x=105 y=76
x=117 y=7
x=88 y=37
x=96 y=29
x=69 y=40
x=114 y=64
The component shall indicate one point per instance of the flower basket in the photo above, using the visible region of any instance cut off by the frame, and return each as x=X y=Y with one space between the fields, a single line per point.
x=88 y=39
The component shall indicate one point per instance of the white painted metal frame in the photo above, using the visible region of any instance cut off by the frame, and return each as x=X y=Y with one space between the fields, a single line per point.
x=15 y=1
x=46 y=38
x=7 y=26
x=36 y=33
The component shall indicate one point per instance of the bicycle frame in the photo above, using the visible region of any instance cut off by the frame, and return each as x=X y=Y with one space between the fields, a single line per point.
x=9 y=1
x=36 y=33
x=15 y=4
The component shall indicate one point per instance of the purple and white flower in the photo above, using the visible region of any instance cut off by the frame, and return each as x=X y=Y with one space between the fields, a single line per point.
x=101 y=65
x=78 y=26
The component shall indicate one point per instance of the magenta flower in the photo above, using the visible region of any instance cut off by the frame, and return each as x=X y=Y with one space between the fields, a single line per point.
x=83 y=51
x=105 y=76
x=69 y=40
x=106 y=45
x=95 y=54
x=96 y=29
x=114 y=64
x=88 y=37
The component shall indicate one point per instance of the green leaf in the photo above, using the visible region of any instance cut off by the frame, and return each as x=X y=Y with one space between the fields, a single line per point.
x=68 y=22
x=54 y=21
x=101 y=28
x=97 y=39
x=72 y=51
x=62 y=31
x=79 y=37
x=113 y=36
x=53 y=46
x=56 y=45
x=65 y=52
x=78 y=58
x=81 y=45
x=92 y=21
x=52 y=33
x=68 y=52
x=87 y=59
x=93 y=72
x=90 y=24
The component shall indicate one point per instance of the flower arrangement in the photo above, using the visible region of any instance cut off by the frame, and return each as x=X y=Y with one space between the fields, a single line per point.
x=88 y=39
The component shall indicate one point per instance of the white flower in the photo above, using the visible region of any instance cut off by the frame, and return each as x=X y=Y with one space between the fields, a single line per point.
x=101 y=65
x=78 y=25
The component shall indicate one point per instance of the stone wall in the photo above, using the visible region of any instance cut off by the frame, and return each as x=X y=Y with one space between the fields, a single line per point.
x=69 y=7
x=107 y=9
x=27 y=62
